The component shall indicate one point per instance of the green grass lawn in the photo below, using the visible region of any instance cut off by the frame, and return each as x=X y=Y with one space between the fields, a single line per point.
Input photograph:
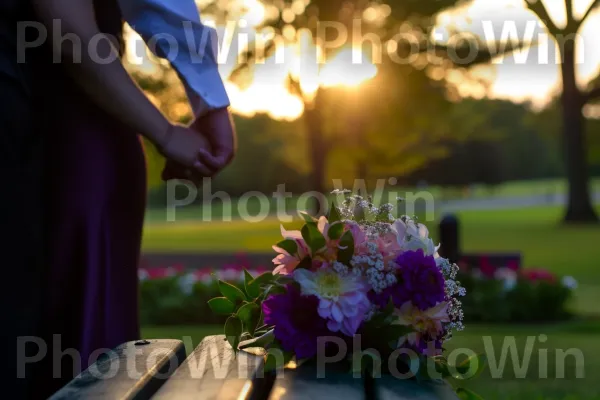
x=580 y=335
x=535 y=232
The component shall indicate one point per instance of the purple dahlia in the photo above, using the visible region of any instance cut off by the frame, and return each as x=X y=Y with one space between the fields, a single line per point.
x=296 y=320
x=419 y=281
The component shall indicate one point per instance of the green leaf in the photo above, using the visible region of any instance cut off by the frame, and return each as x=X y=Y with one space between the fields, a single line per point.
x=263 y=279
x=274 y=290
x=249 y=314
x=307 y=217
x=346 y=251
x=334 y=214
x=283 y=279
x=221 y=305
x=313 y=238
x=261 y=341
x=477 y=361
x=466 y=394
x=234 y=294
x=288 y=245
x=233 y=331
x=252 y=289
x=335 y=230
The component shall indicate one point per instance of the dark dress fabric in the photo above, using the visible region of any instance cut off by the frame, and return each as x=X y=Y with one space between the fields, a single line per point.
x=21 y=217
x=96 y=209
x=21 y=240
x=96 y=179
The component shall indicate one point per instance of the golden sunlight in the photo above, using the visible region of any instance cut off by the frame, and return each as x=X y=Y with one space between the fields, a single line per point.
x=268 y=90
x=342 y=71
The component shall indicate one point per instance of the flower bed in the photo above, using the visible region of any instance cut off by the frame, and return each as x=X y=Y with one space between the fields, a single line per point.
x=176 y=296
x=511 y=295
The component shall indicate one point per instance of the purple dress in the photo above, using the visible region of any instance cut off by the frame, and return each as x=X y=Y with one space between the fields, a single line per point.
x=97 y=192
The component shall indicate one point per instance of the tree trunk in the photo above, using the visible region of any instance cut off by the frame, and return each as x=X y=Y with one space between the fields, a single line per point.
x=318 y=150
x=579 y=207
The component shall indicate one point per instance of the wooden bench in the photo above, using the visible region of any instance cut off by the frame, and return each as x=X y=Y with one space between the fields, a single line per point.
x=134 y=370
x=214 y=372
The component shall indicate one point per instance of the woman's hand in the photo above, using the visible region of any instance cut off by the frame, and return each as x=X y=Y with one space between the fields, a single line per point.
x=217 y=126
x=187 y=148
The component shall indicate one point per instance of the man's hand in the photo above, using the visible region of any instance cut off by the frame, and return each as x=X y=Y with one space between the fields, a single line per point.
x=217 y=127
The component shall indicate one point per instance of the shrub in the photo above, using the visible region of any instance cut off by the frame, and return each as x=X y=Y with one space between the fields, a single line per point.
x=172 y=296
x=508 y=295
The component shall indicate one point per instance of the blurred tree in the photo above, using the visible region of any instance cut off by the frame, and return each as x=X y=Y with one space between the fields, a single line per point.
x=512 y=133
x=384 y=124
x=573 y=99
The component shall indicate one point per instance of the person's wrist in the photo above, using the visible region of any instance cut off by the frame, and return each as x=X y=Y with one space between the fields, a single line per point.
x=164 y=138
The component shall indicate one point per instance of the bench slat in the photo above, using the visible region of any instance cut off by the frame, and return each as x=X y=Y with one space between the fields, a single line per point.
x=389 y=388
x=302 y=384
x=212 y=371
x=134 y=370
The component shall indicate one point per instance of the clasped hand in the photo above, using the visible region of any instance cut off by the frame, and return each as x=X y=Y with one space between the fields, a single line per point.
x=201 y=150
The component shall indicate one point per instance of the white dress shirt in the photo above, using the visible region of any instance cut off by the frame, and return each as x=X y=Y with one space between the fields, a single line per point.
x=172 y=30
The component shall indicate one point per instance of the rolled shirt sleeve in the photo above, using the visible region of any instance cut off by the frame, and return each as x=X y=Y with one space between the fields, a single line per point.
x=173 y=31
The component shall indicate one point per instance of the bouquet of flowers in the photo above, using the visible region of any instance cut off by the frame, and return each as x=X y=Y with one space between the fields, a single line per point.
x=358 y=273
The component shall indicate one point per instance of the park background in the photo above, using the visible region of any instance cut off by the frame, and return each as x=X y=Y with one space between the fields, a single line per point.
x=508 y=140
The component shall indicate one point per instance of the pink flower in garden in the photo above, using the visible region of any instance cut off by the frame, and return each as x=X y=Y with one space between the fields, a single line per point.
x=486 y=267
x=285 y=262
x=160 y=273
x=388 y=246
x=513 y=265
x=508 y=277
x=330 y=252
x=538 y=275
x=360 y=239
x=143 y=274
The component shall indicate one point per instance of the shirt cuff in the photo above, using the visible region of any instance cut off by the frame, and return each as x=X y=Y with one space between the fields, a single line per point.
x=204 y=88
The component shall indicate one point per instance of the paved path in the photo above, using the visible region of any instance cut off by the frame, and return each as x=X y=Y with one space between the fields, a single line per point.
x=498 y=203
